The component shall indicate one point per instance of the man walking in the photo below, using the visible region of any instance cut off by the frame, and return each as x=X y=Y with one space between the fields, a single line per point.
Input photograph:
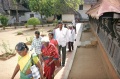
x=71 y=36
x=36 y=44
x=62 y=38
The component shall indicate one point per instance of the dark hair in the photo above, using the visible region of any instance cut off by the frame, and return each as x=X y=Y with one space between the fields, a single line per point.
x=21 y=46
x=51 y=33
x=37 y=32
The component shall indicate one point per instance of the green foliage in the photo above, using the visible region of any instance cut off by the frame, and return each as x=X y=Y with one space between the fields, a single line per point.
x=55 y=22
x=4 y=21
x=33 y=21
x=53 y=7
x=19 y=33
x=74 y=4
x=6 y=48
x=26 y=25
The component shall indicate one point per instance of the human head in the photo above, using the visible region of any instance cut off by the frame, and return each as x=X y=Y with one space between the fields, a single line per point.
x=50 y=35
x=45 y=41
x=70 y=26
x=21 y=48
x=37 y=34
x=65 y=25
x=60 y=24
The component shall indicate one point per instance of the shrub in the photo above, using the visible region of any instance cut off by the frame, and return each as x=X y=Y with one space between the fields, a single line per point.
x=19 y=33
x=33 y=21
x=55 y=22
x=30 y=39
x=26 y=25
x=6 y=48
x=4 y=21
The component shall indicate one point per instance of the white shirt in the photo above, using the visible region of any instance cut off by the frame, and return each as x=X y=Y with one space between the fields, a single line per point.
x=36 y=44
x=73 y=22
x=62 y=36
x=71 y=35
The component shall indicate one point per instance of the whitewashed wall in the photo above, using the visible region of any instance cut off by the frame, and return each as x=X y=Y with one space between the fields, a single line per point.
x=49 y=19
x=82 y=13
x=86 y=7
x=68 y=17
x=27 y=15
x=24 y=17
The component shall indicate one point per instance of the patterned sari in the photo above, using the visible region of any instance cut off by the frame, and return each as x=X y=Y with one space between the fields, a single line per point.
x=49 y=53
x=25 y=63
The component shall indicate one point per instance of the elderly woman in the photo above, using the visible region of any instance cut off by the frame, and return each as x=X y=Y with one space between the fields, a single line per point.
x=50 y=55
x=25 y=63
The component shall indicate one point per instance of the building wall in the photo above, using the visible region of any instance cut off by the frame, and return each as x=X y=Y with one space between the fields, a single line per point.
x=86 y=7
x=50 y=19
x=68 y=17
x=24 y=18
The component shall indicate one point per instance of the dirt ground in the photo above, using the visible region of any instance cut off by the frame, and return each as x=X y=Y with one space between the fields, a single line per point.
x=87 y=62
x=10 y=35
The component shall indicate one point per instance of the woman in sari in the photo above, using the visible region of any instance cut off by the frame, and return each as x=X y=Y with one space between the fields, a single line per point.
x=52 y=40
x=25 y=62
x=50 y=55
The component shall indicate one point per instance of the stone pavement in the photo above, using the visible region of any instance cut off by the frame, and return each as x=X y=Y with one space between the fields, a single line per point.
x=88 y=63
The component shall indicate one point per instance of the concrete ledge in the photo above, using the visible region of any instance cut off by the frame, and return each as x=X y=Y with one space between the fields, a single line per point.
x=64 y=72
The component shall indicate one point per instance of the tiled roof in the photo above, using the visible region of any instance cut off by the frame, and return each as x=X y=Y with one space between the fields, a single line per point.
x=10 y=5
x=104 y=6
x=1 y=8
x=90 y=1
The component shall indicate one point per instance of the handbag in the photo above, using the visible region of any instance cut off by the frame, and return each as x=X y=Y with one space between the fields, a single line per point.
x=35 y=70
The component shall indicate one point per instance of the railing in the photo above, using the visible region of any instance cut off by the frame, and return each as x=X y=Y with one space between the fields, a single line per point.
x=110 y=44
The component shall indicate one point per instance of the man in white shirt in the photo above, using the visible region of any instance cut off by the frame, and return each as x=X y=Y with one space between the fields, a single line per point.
x=71 y=37
x=62 y=38
x=74 y=24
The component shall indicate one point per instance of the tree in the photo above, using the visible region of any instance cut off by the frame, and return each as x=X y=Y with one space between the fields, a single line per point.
x=24 y=3
x=52 y=7
x=17 y=15
x=33 y=21
x=4 y=21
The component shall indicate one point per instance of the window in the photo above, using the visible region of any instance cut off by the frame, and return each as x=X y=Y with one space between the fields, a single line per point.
x=80 y=7
x=31 y=15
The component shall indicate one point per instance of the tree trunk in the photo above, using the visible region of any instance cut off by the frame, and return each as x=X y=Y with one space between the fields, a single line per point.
x=41 y=19
x=3 y=27
x=34 y=27
x=17 y=17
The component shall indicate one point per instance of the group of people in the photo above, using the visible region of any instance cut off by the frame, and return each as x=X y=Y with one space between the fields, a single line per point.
x=49 y=53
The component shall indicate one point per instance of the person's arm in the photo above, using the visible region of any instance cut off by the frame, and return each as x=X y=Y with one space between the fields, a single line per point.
x=51 y=62
x=67 y=36
x=40 y=69
x=74 y=35
x=15 y=71
x=37 y=63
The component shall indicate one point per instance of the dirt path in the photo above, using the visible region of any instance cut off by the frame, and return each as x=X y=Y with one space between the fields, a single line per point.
x=88 y=63
x=7 y=67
